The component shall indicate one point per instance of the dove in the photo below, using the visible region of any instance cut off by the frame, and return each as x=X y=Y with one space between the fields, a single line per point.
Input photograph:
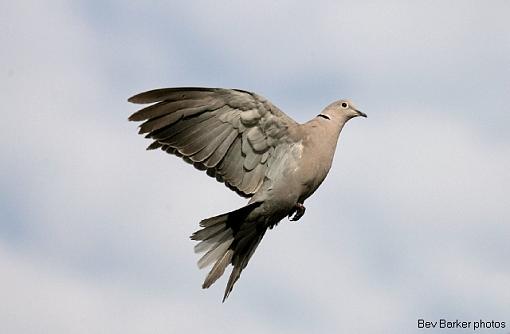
x=244 y=141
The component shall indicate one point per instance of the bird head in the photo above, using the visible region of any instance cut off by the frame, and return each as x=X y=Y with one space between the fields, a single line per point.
x=342 y=109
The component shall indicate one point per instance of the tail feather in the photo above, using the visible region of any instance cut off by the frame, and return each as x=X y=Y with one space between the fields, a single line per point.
x=214 y=239
x=228 y=239
x=218 y=269
x=215 y=253
x=240 y=261
x=214 y=220
x=208 y=232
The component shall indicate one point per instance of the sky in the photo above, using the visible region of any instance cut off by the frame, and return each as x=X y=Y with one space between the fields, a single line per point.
x=411 y=223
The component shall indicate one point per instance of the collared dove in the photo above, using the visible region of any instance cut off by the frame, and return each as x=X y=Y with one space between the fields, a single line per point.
x=244 y=141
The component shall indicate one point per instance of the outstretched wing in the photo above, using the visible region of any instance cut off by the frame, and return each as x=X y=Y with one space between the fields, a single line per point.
x=232 y=134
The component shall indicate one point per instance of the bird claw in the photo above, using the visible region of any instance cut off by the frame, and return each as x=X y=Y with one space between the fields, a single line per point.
x=298 y=211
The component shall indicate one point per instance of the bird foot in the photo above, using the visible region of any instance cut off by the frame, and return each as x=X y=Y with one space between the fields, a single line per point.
x=298 y=211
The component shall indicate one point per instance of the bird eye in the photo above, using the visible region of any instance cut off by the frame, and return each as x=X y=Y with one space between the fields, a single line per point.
x=344 y=105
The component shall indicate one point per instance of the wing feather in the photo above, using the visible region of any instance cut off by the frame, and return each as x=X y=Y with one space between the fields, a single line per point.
x=253 y=179
x=202 y=140
x=231 y=134
x=183 y=137
x=172 y=94
x=167 y=107
x=221 y=150
x=214 y=144
x=232 y=165
x=178 y=127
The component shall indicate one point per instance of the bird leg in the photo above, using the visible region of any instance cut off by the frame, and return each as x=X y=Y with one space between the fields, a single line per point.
x=298 y=211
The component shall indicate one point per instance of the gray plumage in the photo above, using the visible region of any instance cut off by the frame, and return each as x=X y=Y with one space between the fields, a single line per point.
x=243 y=140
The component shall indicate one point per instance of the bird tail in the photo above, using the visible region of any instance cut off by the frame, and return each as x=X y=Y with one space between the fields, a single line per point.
x=228 y=239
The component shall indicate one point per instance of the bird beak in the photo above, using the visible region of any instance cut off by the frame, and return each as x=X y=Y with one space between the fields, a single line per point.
x=362 y=114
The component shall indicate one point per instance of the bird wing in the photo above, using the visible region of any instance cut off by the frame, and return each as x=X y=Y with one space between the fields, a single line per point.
x=232 y=134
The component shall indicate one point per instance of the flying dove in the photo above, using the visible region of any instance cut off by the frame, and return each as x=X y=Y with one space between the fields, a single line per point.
x=244 y=141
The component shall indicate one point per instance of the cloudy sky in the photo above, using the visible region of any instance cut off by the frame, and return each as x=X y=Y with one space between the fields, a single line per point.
x=412 y=222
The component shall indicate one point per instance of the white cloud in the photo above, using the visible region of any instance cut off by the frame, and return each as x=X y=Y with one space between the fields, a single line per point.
x=44 y=298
